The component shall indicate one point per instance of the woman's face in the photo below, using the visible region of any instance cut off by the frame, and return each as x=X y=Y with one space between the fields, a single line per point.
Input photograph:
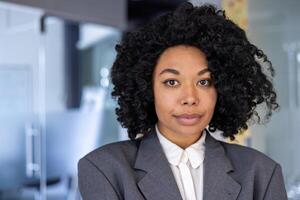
x=184 y=94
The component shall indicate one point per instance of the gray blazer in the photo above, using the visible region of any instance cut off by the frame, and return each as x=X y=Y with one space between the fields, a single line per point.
x=137 y=170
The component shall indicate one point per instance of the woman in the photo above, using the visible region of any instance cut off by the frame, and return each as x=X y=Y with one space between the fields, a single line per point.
x=177 y=80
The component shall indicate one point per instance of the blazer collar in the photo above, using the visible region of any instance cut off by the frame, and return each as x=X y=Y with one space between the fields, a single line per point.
x=217 y=181
x=159 y=182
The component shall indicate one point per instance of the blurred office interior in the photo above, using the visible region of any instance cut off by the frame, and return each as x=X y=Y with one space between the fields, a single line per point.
x=55 y=104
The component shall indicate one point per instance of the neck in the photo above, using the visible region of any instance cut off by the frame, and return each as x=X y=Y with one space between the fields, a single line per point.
x=181 y=140
x=187 y=142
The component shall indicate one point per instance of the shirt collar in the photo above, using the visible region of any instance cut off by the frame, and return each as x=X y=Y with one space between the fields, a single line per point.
x=174 y=153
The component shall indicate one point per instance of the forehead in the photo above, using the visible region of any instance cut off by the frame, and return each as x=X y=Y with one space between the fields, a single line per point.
x=182 y=58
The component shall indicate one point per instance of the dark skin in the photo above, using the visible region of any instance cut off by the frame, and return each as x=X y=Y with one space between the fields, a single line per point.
x=184 y=94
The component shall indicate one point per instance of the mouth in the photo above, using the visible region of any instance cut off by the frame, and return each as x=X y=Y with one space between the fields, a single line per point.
x=188 y=119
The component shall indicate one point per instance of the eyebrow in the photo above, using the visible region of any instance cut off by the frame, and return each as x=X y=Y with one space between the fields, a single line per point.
x=174 y=71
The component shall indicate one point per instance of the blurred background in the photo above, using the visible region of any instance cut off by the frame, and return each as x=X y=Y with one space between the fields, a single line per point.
x=55 y=104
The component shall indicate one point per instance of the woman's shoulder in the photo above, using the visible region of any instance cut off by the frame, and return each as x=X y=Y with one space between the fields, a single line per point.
x=256 y=172
x=113 y=153
x=248 y=157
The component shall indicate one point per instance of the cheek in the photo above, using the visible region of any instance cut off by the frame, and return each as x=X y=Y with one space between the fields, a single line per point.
x=211 y=101
x=164 y=102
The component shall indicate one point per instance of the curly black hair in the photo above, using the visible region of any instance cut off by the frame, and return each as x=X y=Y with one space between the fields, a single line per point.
x=241 y=72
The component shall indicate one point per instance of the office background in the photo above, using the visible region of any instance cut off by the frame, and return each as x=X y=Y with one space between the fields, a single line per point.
x=55 y=103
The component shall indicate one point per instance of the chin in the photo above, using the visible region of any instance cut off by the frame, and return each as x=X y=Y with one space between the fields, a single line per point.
x=188 y=130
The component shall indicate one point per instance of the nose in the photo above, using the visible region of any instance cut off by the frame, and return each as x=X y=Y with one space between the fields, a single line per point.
x=190 y=96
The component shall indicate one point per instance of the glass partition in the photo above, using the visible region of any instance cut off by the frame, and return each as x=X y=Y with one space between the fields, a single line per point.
x=274 y=25
x=21 y=103
x=55 y=103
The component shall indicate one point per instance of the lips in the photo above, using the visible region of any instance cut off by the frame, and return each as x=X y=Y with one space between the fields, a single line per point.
x=188 y=119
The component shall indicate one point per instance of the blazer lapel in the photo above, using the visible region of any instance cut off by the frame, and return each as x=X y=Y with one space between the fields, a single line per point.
x=218 y=184
x=158 y=182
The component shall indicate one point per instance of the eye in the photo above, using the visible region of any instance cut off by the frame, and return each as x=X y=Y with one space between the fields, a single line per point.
x=171 y=82
x=205 y=82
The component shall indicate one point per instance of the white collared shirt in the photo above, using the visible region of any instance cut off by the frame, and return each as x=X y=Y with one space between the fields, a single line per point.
x=195 y=154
